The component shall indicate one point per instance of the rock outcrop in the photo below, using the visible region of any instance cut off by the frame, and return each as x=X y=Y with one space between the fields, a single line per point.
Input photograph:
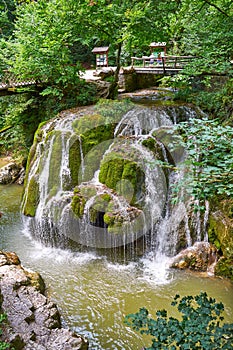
x=33 y=321
x=220 y=232
x=10 y=173
x=202 y=256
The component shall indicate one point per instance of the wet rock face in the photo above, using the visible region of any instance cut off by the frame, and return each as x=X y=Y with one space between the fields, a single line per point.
x=202 y=256
x=11 y=173
x=220 y=232
x=33 y=322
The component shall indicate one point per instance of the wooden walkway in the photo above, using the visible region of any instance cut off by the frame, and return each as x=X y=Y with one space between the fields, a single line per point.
x=11 y=81
x=168 y=65
x=157 y=70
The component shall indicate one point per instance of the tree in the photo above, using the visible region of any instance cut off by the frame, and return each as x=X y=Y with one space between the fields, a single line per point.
x=125 y=25
x=200 y=325
x=43 y=37
x=209 y=165
x=7 y=17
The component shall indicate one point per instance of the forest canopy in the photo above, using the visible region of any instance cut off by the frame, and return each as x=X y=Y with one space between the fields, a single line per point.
x=52 y=41
x=42 y=37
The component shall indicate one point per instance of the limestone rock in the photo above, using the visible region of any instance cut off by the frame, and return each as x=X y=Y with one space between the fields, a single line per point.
x=33 y=321
x=10 y=173
x=202 y=256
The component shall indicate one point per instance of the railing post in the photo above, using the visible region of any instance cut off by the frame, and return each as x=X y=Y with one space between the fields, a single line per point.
x=163 y=61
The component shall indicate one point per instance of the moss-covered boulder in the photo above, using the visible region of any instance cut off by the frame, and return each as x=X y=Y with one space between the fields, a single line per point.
x=89 y=169
x=94 y=132
x=122 y=171
x=33 y=197
x=114 y=172
x=104 y=208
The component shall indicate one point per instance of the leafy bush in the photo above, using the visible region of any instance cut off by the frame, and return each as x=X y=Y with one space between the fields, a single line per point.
x=209 y=148
x=200 y=326
x=3 y=345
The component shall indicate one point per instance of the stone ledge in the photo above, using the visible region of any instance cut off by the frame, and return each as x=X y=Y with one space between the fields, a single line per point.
x=11 y=173
x=33 y=321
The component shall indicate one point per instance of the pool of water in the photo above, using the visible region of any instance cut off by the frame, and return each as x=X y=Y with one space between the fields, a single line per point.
x=94 y=290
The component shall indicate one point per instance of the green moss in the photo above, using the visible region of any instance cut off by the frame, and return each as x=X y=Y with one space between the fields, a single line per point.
x=39 y=132
x=111 y=172
x=149 y=143
x=109 y=219
x=88 y=122
x=113 y=111
x=53 y=191
x=93 y=158
x=220 y=233
x=32 y=198
x=114 y=222
x=124 y=176
x=78 y=204
x=224 y=268
x=99 y=205
x=212 y=234
x=81 y=196
x=106 y=197
x=95 y=135
x=74 y=160
x=37 y=138
x=86 y=191
x=55 y=162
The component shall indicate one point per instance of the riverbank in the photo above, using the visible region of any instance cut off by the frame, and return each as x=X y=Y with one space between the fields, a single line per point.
x=5 y=160
x=11 y=171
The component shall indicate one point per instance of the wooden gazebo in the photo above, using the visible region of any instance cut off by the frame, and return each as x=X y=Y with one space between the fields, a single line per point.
x=158 y=49
x=101 y=56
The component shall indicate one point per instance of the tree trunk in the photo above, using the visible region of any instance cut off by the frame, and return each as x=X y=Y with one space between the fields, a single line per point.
x=114 y=87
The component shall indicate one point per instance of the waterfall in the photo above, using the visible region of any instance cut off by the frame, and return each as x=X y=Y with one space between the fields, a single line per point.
x=82 y=203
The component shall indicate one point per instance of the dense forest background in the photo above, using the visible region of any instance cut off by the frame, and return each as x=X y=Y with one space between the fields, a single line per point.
x=51 y=41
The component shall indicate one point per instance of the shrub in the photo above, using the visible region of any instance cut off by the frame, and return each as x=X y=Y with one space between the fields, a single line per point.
x=200 y=326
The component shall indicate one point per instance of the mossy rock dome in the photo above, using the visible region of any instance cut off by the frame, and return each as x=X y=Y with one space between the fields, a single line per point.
x=121 y=171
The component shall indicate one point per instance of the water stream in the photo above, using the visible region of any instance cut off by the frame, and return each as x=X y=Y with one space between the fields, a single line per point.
x=94 y=291
x=96 y=287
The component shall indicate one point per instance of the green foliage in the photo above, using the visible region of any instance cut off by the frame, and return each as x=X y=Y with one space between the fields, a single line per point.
x=41 y=39
x=209 y=165
x=7 y=17
x=224 y=267
x=3 y=345
x=200 y=325
x=33 y=198
x=113 y=111
x=17 y=122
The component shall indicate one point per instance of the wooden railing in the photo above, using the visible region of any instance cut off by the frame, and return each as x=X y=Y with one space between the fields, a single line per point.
x=9 y=80
x=166 y=62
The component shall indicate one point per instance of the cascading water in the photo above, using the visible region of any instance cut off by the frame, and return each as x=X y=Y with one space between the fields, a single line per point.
x=116 y=193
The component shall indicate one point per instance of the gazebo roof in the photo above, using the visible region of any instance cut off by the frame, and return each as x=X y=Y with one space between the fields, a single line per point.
x=103 y=49
x=158 y=44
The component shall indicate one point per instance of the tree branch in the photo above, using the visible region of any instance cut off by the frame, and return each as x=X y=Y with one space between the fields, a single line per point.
x=217 y=8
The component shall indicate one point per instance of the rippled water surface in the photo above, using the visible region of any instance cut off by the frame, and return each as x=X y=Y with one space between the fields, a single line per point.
x=94 y=291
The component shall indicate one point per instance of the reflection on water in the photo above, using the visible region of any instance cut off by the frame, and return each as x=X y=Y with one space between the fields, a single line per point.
x=94 y=292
